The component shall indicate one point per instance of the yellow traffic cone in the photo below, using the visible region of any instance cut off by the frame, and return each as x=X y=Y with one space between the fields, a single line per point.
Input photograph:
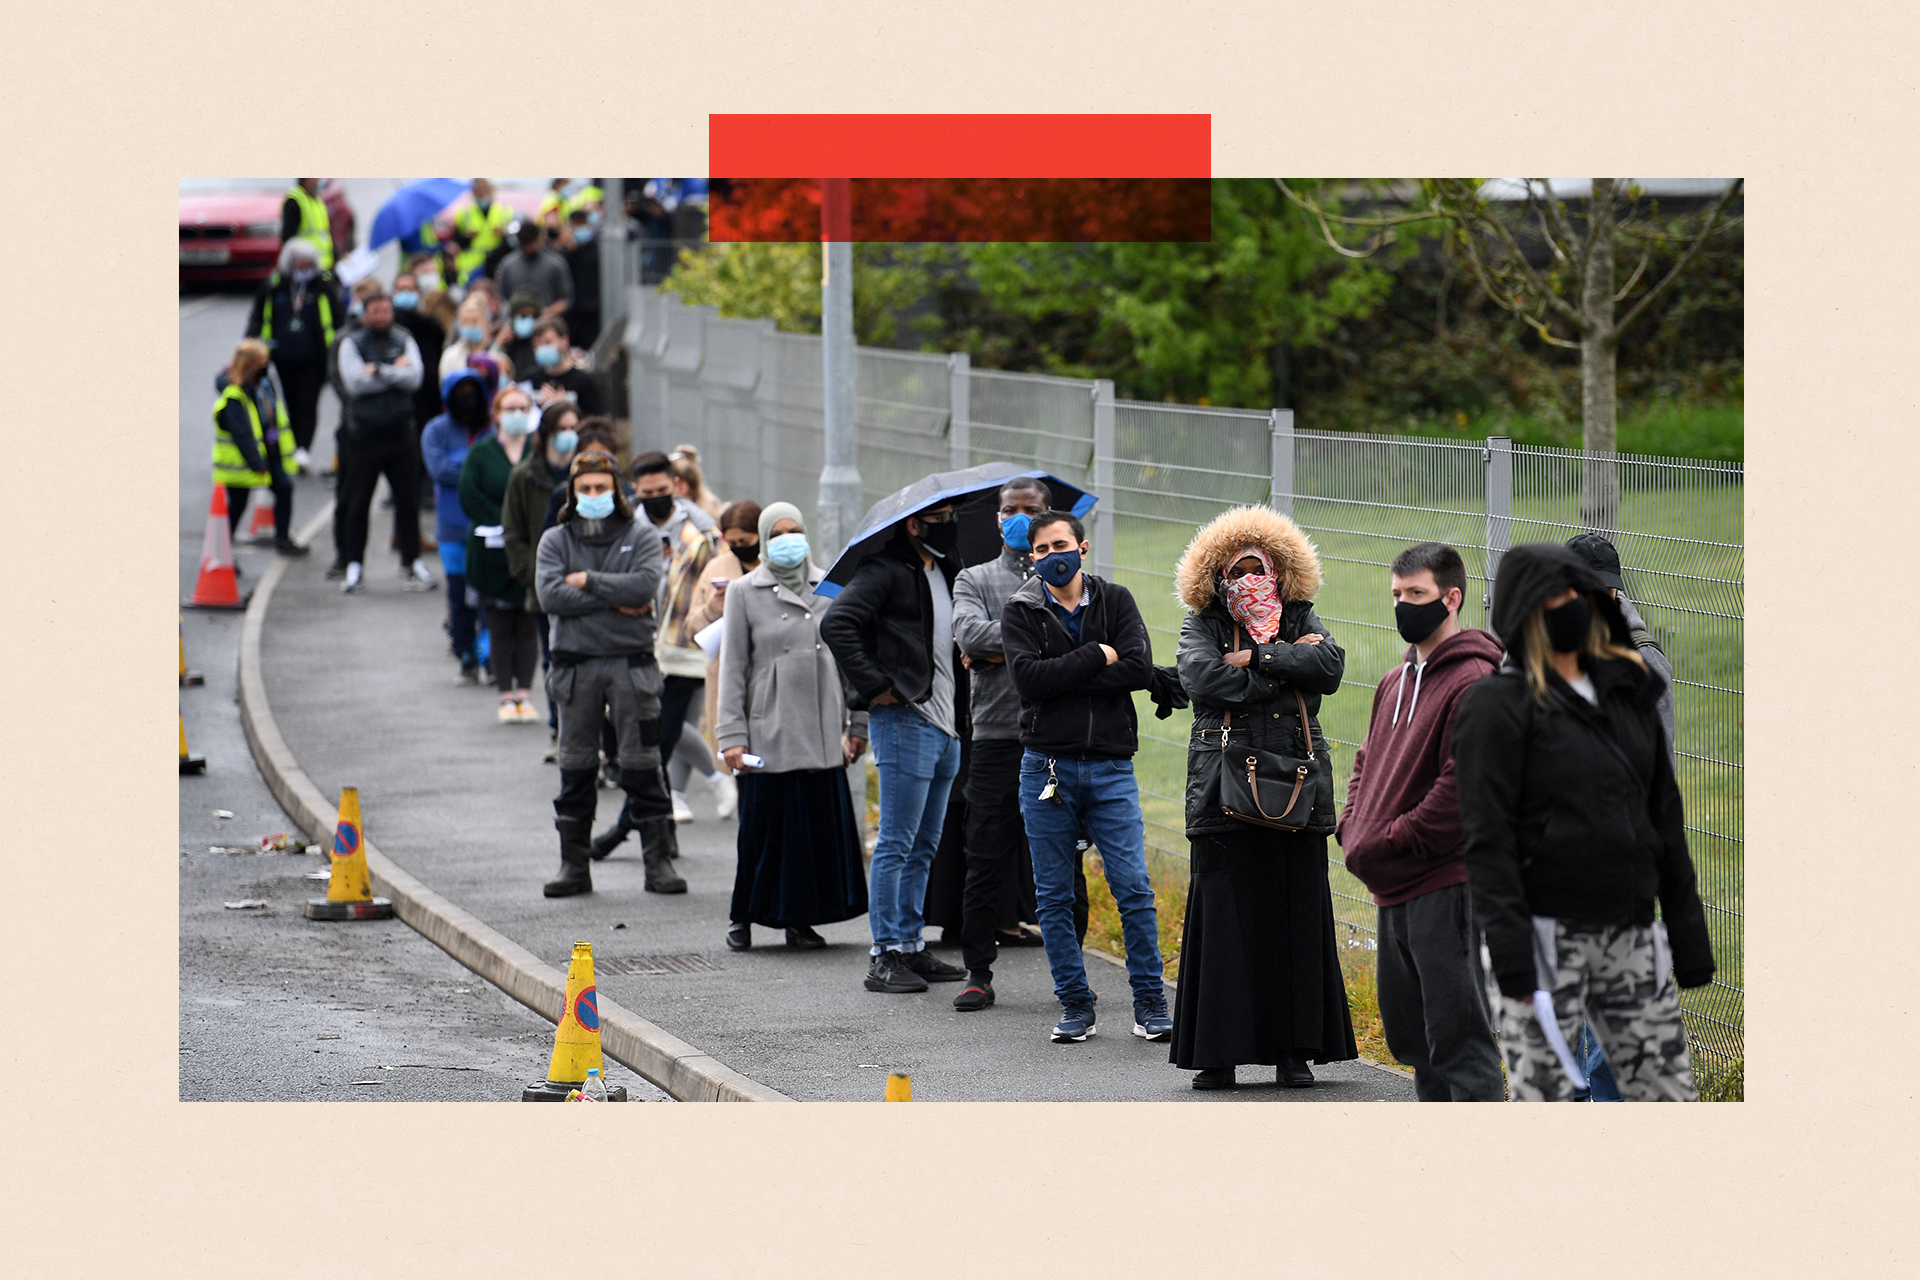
x=576 y=1042
x=350 y=891
x=189 y=763
x=187 y=677
x=899 y=1087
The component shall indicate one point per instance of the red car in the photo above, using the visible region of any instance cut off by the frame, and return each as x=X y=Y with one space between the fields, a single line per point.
x=230 y=227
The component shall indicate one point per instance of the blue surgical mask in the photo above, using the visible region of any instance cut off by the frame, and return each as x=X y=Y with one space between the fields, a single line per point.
x=597 y=507
x=787 y=550
x=516 y=422
x=1059 y=567
x=429 y=283
x=523 y=326
x=1013 y=531
x=304 y=275
x=354 y=308
x=472 y=334
x=406 y=299
x=593 y=217
x=566 y=441
x=546 y=357
x=583 y=235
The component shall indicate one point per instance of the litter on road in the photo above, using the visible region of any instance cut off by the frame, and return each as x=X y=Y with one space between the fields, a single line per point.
x=223 y=813
x=245 y=904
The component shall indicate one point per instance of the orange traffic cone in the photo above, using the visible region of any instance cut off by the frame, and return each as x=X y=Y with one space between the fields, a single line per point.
x=189 y=763
x=350 y=890
x=576 y=1041
x=187 y=677
x=260 y=525
x=217 y=587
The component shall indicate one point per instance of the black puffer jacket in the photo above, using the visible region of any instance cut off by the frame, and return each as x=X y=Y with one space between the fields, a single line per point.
x=880 y=626
x=1260 y=696
x=1570 y=810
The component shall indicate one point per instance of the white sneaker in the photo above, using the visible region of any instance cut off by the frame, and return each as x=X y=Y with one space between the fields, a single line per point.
x=417 y=578
x=682 y=811
x=352 y=583
x=302 y=459
x=726 y=793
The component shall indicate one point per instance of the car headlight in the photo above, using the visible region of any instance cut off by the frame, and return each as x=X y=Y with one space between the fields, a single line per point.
x=261 y=230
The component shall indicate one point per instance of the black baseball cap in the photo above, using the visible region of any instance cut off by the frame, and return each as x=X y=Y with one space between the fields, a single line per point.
x=1600 y=556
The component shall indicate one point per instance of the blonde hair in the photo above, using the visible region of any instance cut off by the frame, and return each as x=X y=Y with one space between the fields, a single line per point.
x=475 y=305
x=685 y=462
x=1599 y=644
x=248 y=358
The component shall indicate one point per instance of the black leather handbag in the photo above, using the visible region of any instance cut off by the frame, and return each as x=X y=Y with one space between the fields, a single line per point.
x=1264 y=788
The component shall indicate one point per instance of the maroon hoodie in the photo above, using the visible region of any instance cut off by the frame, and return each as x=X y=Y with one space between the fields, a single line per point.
x=1400 y=829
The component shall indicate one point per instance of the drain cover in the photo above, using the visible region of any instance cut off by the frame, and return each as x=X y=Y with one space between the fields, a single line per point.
x=653 y=966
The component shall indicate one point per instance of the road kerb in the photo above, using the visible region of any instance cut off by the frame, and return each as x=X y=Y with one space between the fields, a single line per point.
x=683 y=1071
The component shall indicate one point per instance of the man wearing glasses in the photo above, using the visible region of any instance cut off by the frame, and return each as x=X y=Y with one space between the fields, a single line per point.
x=891 y=631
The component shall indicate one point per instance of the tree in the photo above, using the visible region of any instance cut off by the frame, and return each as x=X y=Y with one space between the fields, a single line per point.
x=1570 y=300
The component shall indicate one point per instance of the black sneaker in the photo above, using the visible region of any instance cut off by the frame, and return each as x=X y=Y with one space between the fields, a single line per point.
x=888 y=974
x=470 y=672
x=1075 y=1024
x=338 y=569
x=977 y=995
x=289 y=548
x=924 y=964
x=1150 y=1020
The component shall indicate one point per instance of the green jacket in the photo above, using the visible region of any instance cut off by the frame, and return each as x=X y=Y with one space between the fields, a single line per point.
x=483 y=488
x=523 y=514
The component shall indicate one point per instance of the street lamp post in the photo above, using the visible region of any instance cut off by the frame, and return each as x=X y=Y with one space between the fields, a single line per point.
x=839 y=504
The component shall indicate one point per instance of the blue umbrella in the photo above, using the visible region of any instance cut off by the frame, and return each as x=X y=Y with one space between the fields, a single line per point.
x=410 y=206
x=876 y=529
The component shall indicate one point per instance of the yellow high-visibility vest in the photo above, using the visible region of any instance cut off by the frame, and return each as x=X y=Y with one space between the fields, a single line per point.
x=487 y=231
x=266 y=312
x=229 y=464
x=315 y=225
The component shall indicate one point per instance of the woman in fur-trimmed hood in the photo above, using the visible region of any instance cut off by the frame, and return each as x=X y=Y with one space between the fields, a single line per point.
x=1259 y=973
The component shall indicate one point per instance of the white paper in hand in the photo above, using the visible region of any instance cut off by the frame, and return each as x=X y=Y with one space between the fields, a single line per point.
x=356 y=266
x=708 y=638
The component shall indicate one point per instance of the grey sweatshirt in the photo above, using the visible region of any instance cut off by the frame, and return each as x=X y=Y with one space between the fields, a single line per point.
x=1657 y=661
x=979 y=594
x=622 y=562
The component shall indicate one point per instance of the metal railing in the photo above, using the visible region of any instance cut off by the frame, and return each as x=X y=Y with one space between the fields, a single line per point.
x=750 y=398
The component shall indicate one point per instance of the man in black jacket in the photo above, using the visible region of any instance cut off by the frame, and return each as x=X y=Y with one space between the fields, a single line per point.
x=297 y=312
x=891 y=631
x=380 y=368
x=1077 y=649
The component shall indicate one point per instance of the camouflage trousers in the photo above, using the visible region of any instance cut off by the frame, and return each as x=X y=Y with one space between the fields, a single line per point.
x=1618 y=978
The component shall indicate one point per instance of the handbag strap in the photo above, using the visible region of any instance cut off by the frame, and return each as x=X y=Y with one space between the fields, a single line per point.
x=1226 y=715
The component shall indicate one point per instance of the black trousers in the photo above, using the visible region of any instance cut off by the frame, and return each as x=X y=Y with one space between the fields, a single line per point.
x=516 y=647
x=996 y=852
x=678 y=695
x=367 y=457
x=282 y=506
x=302 y=380
x=1433 y=998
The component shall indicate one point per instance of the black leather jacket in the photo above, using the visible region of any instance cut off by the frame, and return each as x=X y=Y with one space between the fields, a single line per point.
x=880 y=626
x=1260 y=696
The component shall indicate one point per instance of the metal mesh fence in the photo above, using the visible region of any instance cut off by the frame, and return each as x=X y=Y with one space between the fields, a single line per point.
x=751 y=399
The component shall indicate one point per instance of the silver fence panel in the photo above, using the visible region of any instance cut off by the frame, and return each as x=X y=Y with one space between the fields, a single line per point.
x=901 y=412
x=1033 y=420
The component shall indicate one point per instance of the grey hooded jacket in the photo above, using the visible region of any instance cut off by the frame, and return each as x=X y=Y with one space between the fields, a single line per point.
x=1650 y=650
x=622 y=562
x=979 y=594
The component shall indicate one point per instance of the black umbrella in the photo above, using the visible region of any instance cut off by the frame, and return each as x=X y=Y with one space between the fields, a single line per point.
x=979 y=521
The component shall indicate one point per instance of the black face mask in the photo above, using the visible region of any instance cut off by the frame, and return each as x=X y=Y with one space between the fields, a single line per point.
x=747 y=553
x=941 y=539
x=466 y=407
x=1418 y=621
x=1567 y=626
x=658 y=508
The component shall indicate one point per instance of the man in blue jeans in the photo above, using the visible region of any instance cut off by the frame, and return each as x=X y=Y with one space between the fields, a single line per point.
x=891 y=632
x=1077 y=648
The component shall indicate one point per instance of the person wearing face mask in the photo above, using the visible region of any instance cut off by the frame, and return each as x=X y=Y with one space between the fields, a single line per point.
x=516 y=342
x=1260 y=979
x=891 y=631
x=523 y=513
x=380 y=369
x=445 y=445
x=739 y=555
x=428 y=336
x=554 y=375
x=1077 y=649
x=248 y=453
x=1400 y=834
x=511 y=631
x=781 y=699
x=478 y=229
x=296 y=313
x=583 y=263
x=999 y=869
x=1576 y=838
x=598 y=574
x=536 y=269
x=471 y=335
x=683 y=531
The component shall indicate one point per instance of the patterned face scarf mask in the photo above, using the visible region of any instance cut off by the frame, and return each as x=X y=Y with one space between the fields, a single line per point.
x=1254 y=600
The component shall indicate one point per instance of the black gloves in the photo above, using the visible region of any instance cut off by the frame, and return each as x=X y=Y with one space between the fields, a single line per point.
x=1163 y=686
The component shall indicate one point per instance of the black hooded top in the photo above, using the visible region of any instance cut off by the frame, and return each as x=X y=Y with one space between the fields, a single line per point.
x=1570 y=810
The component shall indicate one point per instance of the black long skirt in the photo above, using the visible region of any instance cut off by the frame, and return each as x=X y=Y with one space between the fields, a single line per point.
x=799 y=850
x=1259 y=970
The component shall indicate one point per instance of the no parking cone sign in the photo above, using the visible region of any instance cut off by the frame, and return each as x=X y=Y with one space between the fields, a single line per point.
x=350 y=890
x=576 y=1041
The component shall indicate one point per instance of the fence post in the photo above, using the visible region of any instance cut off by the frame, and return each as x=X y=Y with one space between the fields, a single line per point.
x=960 y=409
x=1103 y=524
x=1498 y=457
x=1280 y=424
x=840 y=485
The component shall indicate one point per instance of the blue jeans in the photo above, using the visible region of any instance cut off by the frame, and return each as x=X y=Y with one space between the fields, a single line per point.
x=917 y=765
x=1101 y=796
x=1601 y=1086
x=463 y=620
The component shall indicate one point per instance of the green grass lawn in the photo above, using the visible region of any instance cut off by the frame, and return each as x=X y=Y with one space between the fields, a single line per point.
x=1687 y=535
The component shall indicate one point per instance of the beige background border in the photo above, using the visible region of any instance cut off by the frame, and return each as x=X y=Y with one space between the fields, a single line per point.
x=108 y=1174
